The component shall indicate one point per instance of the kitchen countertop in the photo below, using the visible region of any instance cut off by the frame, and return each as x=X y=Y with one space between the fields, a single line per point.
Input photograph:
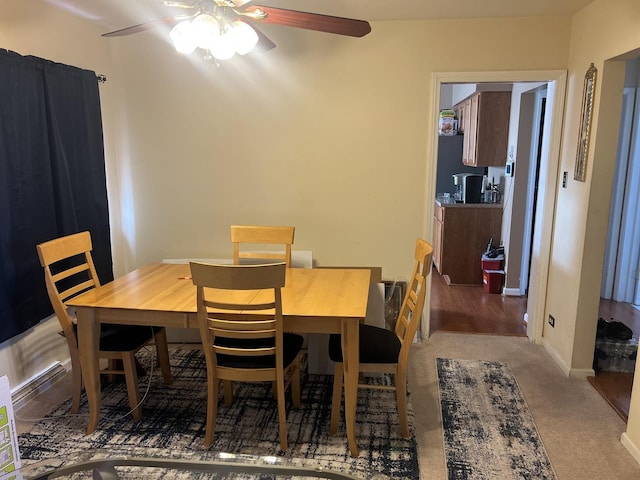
x=450 y=202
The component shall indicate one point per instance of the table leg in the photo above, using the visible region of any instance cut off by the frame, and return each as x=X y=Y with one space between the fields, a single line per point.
x=89 y=345
x=351 y=360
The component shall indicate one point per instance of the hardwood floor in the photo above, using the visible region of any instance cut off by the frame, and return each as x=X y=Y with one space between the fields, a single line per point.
x=616 y=387
x=468 y=309
x=623 y=312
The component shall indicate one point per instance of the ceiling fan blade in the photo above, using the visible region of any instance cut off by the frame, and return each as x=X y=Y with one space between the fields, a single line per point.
x=142 y=27
x=264 y=43
x=307 y=20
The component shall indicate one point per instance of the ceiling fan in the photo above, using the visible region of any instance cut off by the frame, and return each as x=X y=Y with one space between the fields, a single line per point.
x=222 y=28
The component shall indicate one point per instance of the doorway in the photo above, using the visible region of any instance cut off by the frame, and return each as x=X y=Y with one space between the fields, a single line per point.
x=622 y=254
x=620 y=292
x=540 y=245
x=537 y=137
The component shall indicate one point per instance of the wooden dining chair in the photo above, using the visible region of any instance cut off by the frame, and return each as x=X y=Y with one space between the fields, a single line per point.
x=68 y=272
x=261 y=235
x=387 y=351
x=241 y=347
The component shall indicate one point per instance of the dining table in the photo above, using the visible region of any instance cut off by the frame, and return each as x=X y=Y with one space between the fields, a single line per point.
x=314 y=300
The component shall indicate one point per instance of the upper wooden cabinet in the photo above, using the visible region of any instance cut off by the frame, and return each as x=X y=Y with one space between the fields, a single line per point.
x=483 y=118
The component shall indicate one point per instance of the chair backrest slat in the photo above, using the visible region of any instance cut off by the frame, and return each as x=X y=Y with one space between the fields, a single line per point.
x=234 y=306
x=413 y=303
x=245 y=352
x=70 y=258
x=261 y=235
x=84 y=267
x=226 y=328
x=77 y=289
x=243 y=326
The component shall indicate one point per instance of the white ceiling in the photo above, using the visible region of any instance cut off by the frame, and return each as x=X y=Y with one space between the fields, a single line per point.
x=116 y=14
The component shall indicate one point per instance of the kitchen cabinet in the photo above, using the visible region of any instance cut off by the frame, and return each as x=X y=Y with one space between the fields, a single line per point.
x=484 y=120
x=461 y=232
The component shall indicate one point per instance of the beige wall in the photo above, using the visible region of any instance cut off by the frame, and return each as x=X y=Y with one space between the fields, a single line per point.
x=324 y=132
x=515 y=188
x=602 y=31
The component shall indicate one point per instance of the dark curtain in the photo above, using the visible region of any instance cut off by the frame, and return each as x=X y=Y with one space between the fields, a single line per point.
x=52 y=178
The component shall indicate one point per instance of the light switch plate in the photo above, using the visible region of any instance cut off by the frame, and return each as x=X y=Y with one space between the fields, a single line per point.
x=508 y=170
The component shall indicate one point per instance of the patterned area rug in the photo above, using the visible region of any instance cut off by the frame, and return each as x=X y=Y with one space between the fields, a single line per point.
x=174 y=421
x=488 y=429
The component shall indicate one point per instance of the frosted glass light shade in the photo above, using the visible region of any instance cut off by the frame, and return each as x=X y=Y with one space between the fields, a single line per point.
x=245 y=38
x=215 y=35
x=205 y=30
x=222 y=48
x=182 y=38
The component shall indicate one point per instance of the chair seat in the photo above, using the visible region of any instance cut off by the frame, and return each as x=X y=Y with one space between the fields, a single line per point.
x=122 y=338
x=377 y=345
x=292 y=344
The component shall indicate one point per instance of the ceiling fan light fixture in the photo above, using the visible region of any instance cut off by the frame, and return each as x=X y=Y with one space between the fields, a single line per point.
x=245 y=38
x=233 y=20
x=182 y=38
x=223 y=48
x=214 y=34
x=205 y=30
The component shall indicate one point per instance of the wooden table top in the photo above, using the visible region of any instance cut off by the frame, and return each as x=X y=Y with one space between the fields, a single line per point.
x=164 y=287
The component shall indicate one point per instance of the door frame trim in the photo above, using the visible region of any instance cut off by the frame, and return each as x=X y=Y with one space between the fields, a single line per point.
x=557 y=80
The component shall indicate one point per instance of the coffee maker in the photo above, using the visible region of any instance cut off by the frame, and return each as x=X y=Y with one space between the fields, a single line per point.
x=469 y=187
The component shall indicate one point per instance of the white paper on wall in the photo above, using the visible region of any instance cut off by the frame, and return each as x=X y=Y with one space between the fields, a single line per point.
x=299 y=259
x=9 y=453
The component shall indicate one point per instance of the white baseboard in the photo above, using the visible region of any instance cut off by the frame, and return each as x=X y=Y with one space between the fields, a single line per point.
x=551 y=351
x=511 y=292
x=38 y=383
x=631 y=447
x=582 y=372
x=567 y=370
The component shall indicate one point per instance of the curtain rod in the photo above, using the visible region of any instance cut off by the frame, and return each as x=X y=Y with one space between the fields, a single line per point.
x=101 y=78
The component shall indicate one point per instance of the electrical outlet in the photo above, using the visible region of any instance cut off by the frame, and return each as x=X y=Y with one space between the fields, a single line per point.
x=552 y=321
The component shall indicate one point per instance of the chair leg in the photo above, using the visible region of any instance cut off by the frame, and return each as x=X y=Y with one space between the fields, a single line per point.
x=212 y=409
x=295 y=383
x=77 y=389
x=337 y=397
x=140 y=370
x=162 y=351
x=401 y=397
x=131 y=377
x=282 y=414
x=76 y=376
x=228 y=392
x=112 y=364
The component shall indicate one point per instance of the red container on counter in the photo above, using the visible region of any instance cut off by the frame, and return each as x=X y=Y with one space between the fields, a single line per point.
x=492 y=263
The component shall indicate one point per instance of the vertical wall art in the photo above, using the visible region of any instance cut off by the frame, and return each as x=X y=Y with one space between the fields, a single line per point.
x=580 y=172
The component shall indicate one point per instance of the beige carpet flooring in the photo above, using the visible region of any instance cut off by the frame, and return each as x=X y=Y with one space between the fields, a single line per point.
x=580 y=431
